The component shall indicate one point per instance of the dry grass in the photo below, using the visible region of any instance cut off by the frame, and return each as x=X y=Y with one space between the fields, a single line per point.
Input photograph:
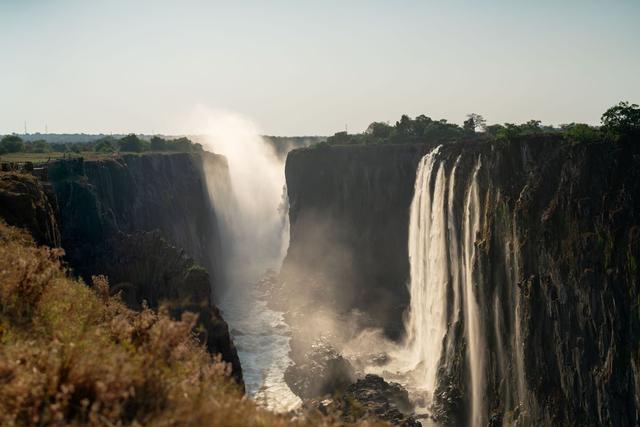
x=73 y=355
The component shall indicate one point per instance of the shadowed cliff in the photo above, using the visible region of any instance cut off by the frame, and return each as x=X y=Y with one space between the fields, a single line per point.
x=145 y=221
x=556 y=276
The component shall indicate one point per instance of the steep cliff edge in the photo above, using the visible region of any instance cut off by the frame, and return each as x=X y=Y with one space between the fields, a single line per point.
x=140 y=193
x=26 y=204
x=146 y=221
x=555 y=270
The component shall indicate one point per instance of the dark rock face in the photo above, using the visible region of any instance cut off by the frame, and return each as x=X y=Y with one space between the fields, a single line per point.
x=349 y=215
x=27 y=203
x=127 y=216
x=140 y=193
x=144 y=268
x=556 y=273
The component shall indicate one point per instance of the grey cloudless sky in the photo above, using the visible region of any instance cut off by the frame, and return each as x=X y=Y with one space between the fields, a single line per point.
x=300 y=67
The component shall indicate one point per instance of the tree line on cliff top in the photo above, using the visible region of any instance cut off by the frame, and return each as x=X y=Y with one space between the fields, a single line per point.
x=130 y=143
x=618 y=122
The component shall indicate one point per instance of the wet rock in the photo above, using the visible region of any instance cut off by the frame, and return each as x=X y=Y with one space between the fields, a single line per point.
x=367 y=398
x=388 y=401
x=321 y=371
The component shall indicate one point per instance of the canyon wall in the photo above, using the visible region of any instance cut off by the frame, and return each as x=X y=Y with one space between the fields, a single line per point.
x=349 y=216
x=27 y=204
x=140 y=193
x=554 y=271
x=145 y=221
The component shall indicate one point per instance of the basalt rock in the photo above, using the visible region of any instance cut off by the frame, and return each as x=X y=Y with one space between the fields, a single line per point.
x=388 y=401
x=322 y=371
x=27 y=203
x=367 y=398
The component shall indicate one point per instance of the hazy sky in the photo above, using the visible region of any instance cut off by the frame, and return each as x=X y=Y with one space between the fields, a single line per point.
x=297 y=67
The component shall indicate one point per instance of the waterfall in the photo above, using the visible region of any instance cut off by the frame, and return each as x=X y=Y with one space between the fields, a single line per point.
x=444 y=278
x=427 y=245
x=471 y=228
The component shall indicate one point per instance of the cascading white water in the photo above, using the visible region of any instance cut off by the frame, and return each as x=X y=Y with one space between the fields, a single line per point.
x=471 y=228
x=443 y=265
x=427 y=324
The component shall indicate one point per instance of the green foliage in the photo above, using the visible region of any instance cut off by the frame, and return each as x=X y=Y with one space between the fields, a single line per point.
x=582 y=133
x=11 y=144
x=106 y=145
x=158 y=144
x=131 y=143
x=179 y=144
x=621 y=120
x=405 y=131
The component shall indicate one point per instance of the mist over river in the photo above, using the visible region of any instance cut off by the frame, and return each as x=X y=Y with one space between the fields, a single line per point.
x=253 y=218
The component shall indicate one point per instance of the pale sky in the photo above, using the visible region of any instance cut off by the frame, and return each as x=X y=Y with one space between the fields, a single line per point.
x=303 y=68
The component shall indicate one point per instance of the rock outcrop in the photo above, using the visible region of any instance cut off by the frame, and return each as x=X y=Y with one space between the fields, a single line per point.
x=369 y=397
x=26 y=203
x=144 y=268
x=321 y=371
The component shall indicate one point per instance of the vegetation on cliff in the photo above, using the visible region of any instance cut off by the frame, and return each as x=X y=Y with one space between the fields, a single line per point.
x=73 y=355
x=618 y=122
x=127 y=144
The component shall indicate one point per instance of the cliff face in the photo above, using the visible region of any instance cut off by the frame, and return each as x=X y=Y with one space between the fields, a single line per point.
x=349 y=216
x=554 y=271
x=26 y=204
x=140 y=193
x=147 y=222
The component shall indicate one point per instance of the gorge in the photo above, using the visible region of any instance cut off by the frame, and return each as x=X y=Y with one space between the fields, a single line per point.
x=496 y=282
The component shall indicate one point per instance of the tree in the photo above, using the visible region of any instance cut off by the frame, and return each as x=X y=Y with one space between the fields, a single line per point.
x=379 y=130
x=474 y=121
x=132 y=143
x=181 y=144
x=581 y=132
x=158 y=144
x=621 y=120
x=404 y=127
x=105 y=145
x=11 y=144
